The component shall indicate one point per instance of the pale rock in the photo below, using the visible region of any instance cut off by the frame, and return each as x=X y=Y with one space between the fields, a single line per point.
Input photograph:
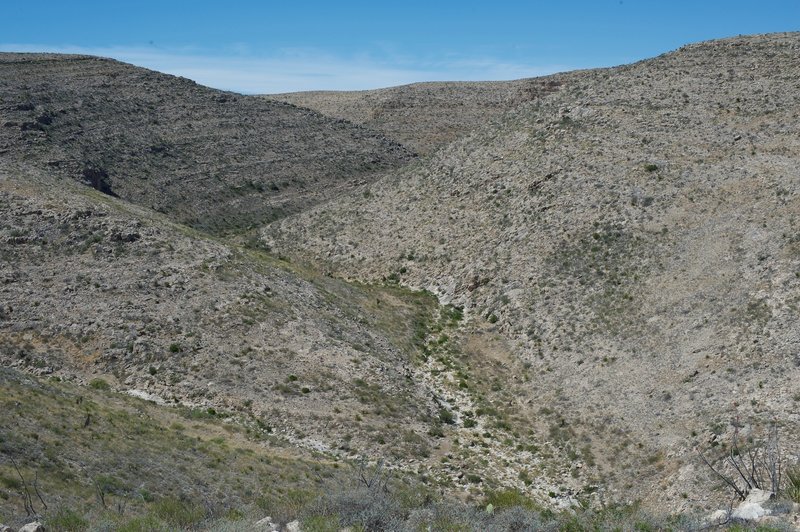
x=758 y=496
x=294 y=526
x=718 y=516
x=751 y=508
x=749 y=511
x=266 y=524
x=36 y=526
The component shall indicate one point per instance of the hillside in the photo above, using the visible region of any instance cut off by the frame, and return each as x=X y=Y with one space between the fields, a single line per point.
x=588 y=279
x=96 y=289
x=214 y=160
x=632 y=238
x=426 y=116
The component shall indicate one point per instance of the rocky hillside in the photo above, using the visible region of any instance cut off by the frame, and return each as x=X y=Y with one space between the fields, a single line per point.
x=632 y=238
x=426 y=116
x=214 y=160
x=94 y=287
x=102 y=293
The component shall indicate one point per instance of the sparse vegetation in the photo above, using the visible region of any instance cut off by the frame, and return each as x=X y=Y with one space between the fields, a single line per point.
x=619 y=259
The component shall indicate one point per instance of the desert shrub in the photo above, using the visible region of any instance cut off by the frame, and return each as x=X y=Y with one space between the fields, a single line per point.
x=147 y=523
x=178 y=513
x=321 y=523
x=508 y=499
x=446 y=416
x=99 y=384
x=67 y=520
x=447 y=516
x=369 y=509
x=518 y=519
x=287 y=506
x=793 y=484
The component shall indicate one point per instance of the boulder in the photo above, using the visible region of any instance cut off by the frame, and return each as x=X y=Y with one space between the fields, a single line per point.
x=718 y=517
x=294 y=526
x=758 y=496
x=751 y=509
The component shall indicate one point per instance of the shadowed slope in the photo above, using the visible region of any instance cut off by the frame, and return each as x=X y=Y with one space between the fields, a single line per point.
x=215 y=160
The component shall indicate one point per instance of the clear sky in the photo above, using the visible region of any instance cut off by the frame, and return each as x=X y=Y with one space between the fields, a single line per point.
x=268 y=47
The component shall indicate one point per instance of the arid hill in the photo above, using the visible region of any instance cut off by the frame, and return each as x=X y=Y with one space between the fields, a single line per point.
x=426 y=116
x=214 y=160
x=588 y=279
x=633 y=239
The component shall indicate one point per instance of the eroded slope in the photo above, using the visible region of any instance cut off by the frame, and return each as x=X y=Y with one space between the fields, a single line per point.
x=94 y=288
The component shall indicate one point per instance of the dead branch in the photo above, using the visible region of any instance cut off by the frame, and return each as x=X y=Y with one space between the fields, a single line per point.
x=26 y=494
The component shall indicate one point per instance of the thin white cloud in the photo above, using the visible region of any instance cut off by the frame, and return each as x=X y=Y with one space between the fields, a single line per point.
x=301 y=69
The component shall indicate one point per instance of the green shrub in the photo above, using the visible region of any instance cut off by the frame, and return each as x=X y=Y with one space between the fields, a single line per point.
x=322 y=523
x=793 y=487
x=446 y=416
x=99 y=384
x=146 y=523
x=178 y=513
x=10 y=483
x=68 y=521
x=650 y=167
x=452 y=313
x=508 y=499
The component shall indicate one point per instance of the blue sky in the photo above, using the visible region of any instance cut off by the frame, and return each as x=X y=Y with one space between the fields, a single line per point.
x=268 y=47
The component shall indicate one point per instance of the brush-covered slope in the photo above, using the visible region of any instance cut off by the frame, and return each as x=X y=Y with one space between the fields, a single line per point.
x=425 y=116
x=215 y=160
x=95 y=289
x=93 y=459
x=633 y=237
